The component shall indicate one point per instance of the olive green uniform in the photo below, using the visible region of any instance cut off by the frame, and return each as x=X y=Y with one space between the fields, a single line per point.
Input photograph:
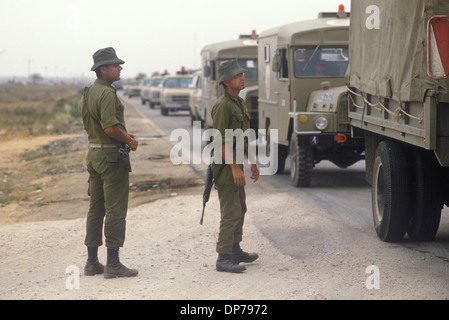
x=108 y=179
x=230 y=113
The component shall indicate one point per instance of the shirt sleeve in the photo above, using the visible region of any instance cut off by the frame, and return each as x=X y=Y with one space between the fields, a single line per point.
x=220 y=120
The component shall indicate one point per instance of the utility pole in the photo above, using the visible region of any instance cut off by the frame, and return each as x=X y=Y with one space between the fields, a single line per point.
x=29 y=65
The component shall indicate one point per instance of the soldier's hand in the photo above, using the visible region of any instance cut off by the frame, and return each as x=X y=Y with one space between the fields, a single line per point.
x=255 y=172
x=134 y=143
x=239 y=176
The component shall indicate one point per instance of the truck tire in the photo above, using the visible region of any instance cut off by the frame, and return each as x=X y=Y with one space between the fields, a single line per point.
x=164 y=110
x=282 y=157
x=426 y=203
x=301 y=163
x=390 y=192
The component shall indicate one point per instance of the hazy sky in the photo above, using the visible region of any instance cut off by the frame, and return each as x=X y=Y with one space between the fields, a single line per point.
x=58 y=37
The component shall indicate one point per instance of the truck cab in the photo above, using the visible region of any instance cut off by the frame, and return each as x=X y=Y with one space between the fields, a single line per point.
x=244 y=50
x=134 y=88
x=302 y=94
x=195 y=96
x=145 y=90
x=154 y=91
x=175 y=93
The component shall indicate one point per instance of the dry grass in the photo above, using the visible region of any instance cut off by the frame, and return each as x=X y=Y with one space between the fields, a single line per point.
x=39 y=109
x=29 y=111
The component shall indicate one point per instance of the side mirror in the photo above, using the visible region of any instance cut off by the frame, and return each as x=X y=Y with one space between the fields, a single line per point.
x=276 y=64
x=206 y=71
x=438 y=47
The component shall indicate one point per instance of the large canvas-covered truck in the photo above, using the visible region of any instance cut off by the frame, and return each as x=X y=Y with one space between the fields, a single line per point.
x=302 y=94
x=244 y=50
x=399 y=101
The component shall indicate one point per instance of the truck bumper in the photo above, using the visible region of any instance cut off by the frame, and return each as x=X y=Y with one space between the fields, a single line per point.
x=331 y=140
x=177 y=107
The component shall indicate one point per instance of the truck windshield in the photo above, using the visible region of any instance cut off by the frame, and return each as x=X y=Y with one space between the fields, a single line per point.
x=178 y=82
x=156 y=82
x=251 y=66
x=321 y=62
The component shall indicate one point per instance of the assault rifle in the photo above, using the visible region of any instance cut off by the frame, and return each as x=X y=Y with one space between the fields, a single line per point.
x=210 y=181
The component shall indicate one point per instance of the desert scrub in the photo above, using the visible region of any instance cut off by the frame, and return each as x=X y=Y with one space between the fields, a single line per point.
x=39 y=109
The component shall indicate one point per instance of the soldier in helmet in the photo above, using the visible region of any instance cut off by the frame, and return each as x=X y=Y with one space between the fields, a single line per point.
x=230 y=112
x=103 y=118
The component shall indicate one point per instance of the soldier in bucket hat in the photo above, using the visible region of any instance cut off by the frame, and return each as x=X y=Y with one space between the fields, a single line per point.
x=104 y=121
x=106 y=56
x=230 y=112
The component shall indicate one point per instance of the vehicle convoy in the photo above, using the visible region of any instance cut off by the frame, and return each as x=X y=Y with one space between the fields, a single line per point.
x=133 y=89
x=175 y=92
x=244 y=50
x=154 y=91
x=399 y=101
x=145 y=90
x=302 y=94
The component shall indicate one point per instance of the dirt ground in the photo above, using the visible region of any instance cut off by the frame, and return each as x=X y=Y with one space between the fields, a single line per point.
x=41 y=236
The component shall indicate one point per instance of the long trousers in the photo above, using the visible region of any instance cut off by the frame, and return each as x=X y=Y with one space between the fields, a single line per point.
x=232 y=211
x=109 y=192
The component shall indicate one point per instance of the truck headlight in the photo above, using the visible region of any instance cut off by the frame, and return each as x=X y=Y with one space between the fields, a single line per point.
x=321 y=123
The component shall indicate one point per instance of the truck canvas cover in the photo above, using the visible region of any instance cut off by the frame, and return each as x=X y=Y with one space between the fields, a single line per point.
x=389 y=59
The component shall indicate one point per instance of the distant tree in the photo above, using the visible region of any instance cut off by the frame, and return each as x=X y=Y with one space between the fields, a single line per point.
x=36 y=77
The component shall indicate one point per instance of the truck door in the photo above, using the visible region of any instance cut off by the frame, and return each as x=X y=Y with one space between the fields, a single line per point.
x=283 y=96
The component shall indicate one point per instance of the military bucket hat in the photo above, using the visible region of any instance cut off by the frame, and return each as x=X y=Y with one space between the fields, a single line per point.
x=229 y=69
x=105 y=56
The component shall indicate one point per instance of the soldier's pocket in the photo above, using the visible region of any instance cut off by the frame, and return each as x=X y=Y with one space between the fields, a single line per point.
x=226 y=178
x=236 y=120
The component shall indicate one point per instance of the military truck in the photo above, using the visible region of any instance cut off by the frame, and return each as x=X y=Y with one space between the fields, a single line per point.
x=145 y=90
x=195 y=97
x=154 y=92
x=133 y=89
x=399 y=101
x=302 y=94
x=175 y=93
x=244 y=50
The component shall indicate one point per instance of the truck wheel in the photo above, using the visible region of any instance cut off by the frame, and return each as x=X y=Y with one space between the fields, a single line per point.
x=164 y=110
x=301 y=163
x=151 y=104
x=390 y=192
x=425 y=197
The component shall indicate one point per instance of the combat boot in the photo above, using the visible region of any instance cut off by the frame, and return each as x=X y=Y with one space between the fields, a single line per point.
x=238 y=255
x=93 y=268
x=225 y=263
x=114 y=268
